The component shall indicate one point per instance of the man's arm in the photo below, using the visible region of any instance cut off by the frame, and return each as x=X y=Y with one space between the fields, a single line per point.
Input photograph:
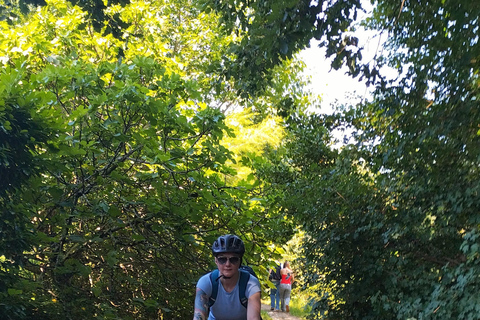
x=254 y=306
x=201 y=305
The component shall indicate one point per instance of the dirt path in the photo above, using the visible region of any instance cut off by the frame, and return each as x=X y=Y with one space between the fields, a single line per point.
x=278 y=315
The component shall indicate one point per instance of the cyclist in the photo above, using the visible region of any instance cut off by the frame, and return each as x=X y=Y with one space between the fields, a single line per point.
x=228 y=251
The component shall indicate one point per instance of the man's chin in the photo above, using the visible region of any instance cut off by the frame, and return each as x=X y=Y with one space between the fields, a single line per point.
x=228 y=273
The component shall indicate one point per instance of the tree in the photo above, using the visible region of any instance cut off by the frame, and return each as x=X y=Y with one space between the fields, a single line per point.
x=22 y=131
x=134 y=175
x=261 y=33
x=426 y=125
x=270 y=31
x=134 y=183
x=392 y=220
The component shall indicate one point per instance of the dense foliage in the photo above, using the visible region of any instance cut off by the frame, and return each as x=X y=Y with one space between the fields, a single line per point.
x=392 y=221
x=264 y=33
x=132 y=180
x=121 y=158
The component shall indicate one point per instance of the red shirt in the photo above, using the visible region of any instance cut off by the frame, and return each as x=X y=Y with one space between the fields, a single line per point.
x=286 y=279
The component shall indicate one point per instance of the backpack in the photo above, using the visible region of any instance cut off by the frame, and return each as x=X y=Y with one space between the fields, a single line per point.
x=275 y=275
x=245 y=273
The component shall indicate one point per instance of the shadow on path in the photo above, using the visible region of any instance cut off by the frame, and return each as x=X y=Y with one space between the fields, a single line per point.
x=275 y=315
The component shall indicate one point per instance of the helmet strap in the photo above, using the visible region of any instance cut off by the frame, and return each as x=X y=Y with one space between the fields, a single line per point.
x=222 y=276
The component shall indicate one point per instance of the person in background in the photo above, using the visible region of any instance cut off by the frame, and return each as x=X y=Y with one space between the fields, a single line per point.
x=285 y=287
x=275 y=278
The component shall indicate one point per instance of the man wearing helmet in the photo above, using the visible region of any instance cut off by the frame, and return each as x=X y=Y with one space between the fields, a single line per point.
x=228 y=251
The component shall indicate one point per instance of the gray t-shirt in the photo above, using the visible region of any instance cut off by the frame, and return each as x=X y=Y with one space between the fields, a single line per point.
x=228 y=306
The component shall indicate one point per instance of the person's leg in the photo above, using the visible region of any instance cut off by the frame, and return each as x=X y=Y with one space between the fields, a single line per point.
x=288 y=291
x=282 y=297
x=273 y=294
x=277 y=296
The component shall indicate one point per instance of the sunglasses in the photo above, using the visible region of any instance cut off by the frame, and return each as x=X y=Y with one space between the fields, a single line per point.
x=233 y=260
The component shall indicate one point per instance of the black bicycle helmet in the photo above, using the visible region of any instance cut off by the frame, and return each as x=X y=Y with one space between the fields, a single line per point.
x=228 y=243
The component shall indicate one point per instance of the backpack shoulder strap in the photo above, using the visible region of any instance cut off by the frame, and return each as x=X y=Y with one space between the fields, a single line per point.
x=214 y=281
x=242 y=287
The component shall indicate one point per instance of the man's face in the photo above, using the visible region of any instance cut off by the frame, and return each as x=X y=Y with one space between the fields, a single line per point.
x=228 y=263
